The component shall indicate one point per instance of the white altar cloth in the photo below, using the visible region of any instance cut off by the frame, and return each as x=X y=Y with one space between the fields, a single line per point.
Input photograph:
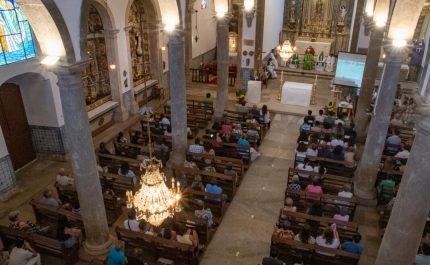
x=296 y=94
x=302 y=45
x=254 y=92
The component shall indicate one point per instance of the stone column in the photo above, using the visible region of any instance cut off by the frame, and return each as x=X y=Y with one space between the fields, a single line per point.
x=222 y=66
x=134 y=106
x=84 y=164
x=368 y=83
x=120 y=113
x=369 y=163
x=405 y=228
x=178 y=102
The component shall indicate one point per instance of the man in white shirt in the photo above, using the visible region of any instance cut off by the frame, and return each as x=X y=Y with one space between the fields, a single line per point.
x=63 y=178
x=339 y=120
x=164 y=121
x=23 y=254
x=397 y=121
x=337 y=141
x=346 y=193
x=404 y=153
x=320 y=117
x=131 y=223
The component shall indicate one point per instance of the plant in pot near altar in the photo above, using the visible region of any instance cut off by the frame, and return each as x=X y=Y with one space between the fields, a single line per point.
x=240 y=95
x=328 y=108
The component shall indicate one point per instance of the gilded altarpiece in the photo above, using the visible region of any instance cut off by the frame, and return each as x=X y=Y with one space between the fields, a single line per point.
x=139 y=44
x=96 y=77
x=320 y=21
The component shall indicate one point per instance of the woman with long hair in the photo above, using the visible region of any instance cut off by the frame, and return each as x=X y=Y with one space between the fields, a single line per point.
x=305 y=235
x=125 y=171
x=329 y=239
x=266 y=116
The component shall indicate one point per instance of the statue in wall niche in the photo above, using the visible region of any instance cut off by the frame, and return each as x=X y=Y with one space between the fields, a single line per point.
x=318 y=17
x=329 y=62
x=342 y=13
x=139 y=50
x=292 y=12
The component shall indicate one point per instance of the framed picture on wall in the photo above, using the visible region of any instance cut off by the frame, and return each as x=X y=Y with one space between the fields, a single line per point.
x=204 y=4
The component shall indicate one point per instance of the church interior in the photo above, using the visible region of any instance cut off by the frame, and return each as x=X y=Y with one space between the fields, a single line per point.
x=240 y=132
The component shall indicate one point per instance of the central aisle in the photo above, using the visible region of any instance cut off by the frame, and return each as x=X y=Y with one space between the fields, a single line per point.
x=244 y=234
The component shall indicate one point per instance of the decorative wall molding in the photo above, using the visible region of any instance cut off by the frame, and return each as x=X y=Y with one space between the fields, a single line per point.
x=127 y=100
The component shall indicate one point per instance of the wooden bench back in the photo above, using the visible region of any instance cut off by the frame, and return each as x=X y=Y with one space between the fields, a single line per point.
x=119 y=184
x=217 y=207
x=230 y=150
x=331 y=184
x=225 y=182
x=220 y=162
x=191 y=221
x=114 y=163
x=335 y=167
x=44 y=211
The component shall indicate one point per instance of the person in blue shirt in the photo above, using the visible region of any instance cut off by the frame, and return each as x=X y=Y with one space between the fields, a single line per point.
x=116 y=254
x=125 y=171
x=394 y=141
x=305 y=126
x=354 y=246
x=211 y=187
x=424 y=257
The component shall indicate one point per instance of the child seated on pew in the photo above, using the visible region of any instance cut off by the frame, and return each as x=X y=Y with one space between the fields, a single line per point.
x=282 y=230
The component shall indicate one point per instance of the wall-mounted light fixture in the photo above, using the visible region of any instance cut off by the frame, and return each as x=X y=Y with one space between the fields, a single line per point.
x=50 y=60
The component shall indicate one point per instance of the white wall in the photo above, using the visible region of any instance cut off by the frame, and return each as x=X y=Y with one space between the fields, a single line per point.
x=273 y=20
x=207 y=29
x=248 y=33
x=363 y=41
x=71 y=11
x=12 y=72
x=3 y=148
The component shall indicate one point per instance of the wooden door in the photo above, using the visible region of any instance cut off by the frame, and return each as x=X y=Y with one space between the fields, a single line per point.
x=13 y=122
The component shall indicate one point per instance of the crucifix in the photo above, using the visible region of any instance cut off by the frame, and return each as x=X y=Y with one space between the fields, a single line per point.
x=258 y=54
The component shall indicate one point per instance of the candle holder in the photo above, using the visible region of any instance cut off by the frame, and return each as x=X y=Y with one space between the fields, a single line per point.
x=280 y=87
x=314 y=91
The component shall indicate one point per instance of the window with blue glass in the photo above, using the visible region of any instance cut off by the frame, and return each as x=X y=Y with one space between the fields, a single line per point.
x=16 y=40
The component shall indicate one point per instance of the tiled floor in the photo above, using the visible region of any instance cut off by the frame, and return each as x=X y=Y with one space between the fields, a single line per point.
x=244 y=235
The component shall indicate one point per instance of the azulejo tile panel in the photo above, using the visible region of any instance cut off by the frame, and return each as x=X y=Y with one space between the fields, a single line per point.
x=7 y=174
x=49 y=140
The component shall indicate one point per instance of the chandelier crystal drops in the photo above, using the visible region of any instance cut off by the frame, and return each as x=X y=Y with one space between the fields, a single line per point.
x=154 y=202
x=286 y=50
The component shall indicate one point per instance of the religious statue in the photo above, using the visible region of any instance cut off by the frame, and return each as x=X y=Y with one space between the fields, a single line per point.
x=271 y=69
x=417 y=53
x=294 y=61
x=139 y=50
x=342 y=13
x=319 y=65
x=329 y=62
x=318 y=11
x=308 y=62
x=292 y=12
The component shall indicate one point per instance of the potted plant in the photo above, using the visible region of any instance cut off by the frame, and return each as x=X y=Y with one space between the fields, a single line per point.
x=240 y=95
x=328 y=108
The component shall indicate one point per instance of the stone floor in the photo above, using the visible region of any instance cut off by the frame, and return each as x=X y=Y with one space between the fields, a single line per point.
x=244 y=235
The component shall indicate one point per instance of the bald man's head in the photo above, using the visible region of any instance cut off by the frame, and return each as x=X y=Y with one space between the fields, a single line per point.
x=62 y=172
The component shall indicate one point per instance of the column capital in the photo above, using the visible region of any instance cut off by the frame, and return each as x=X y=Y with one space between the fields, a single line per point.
x=394 y=53
x=176 y=36
x=127 y=29
x=68 y=69
x=112 y=34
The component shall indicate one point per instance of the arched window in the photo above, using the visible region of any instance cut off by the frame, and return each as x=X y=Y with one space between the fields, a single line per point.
x=16 y=40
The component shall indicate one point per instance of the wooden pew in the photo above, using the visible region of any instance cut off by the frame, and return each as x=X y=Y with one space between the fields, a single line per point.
x=330 y=204
x=127 y=149
x=191 y=221
x=232 y=151
x=74 y=218
x=41 y=244
x=219 y=163
x=189 y=196
x=200 y=104
x=195 y=116
x=114 y=163
x=156 y=247
x=389 y=193
x=112 y=205
x=45 y=213
x=119 y=184
x=331 y=184
x=290 y=251
x=406 y=132
x=345 y=229
x=167 y=140
x=335 y=167
x=53 y=247
x=225 y=182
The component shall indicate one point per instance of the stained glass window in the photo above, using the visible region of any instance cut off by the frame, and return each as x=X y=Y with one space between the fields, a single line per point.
x=16 y=40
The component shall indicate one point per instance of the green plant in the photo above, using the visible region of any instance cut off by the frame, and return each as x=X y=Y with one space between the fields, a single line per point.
x=240 y=94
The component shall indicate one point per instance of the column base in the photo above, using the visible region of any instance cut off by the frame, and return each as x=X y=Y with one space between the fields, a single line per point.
x=134 y=107
x=120 y=114
x=97 y=251
x=364 y=194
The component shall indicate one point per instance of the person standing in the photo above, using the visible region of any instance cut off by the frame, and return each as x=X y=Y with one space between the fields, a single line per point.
x=116 y=254
x=266 y=116
x=23 y=254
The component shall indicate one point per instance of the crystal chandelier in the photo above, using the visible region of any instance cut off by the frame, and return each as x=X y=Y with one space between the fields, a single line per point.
x=154 y=202
x=286 y=50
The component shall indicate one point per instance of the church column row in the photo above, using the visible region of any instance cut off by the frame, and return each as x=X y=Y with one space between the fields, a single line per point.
x=411 y=208
x=84 y=164
x=375 y=141
x=222 y=66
